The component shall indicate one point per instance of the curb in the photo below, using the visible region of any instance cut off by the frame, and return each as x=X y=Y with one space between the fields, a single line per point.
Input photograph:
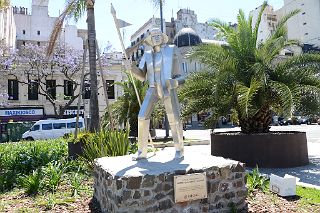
x=186 y=143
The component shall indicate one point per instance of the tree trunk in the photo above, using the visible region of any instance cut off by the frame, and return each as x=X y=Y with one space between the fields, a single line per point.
x=259 y=123
x=161 y=15
x=94 y=105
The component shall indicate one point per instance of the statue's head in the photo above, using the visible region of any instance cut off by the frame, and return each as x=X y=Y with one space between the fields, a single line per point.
x=156 y=38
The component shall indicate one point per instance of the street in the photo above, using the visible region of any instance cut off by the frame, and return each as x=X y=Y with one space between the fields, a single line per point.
x=313 y=132
x=309 y=175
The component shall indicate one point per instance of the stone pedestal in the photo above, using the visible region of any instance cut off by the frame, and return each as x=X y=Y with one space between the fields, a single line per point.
x=124 y=185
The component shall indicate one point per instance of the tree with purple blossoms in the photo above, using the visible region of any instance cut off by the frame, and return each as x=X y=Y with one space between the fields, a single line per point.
x=40 y=73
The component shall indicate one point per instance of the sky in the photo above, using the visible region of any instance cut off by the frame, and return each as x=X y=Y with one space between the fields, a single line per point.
x=137 y=12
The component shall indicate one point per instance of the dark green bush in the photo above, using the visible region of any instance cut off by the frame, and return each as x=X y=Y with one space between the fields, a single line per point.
x=53 y=173
x=32 y=183
x=22 y=158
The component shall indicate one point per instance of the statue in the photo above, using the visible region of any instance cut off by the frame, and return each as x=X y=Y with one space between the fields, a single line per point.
x=161 y=68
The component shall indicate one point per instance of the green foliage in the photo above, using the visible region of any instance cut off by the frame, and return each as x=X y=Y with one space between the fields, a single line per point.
x=308 y=104
x=54 y=172
x=308 y=195
x=106 y=143
x=22 y=158
x=126 y=108
x=133 y=148
x=82 y=137
x=256 y=181
x=32 y=183
x=248 y=76
x=76 y=181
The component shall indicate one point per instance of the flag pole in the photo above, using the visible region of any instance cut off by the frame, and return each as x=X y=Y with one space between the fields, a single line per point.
x=113 y=12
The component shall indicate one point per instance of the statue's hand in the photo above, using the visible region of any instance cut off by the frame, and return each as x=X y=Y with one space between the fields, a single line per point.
x=172 y=83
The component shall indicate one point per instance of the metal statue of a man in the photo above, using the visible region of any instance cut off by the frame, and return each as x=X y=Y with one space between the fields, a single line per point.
x=161 y=69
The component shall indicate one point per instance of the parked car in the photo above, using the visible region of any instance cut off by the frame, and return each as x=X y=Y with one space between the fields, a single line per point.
x=48 y=129
x=285 y=121
x=304 y=120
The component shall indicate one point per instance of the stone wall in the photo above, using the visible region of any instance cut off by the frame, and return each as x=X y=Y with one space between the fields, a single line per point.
x=155 y=193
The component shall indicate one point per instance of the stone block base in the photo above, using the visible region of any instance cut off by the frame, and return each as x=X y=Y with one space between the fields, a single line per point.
x=123 y=185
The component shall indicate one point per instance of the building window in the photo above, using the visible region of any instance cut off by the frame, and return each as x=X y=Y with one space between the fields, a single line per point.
x=304 y=23
x=24 y=43
x=303 y=13
x=86 y=90
x=110 y=89
x=68 y=89
x=306 y=34
x=185 y=67
x=51 y=89
x=38 y=43
x=33 y=88
x=13 y=90
x=23 y=32
x=38 y=32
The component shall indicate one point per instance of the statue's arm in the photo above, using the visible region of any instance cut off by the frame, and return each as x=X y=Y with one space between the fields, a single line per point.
x=137 y=72
x=177 y=79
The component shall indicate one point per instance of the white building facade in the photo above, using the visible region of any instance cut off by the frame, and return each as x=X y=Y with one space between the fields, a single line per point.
x=188 y=18
x=7 y=27
x=303 y=27
x=35 y=27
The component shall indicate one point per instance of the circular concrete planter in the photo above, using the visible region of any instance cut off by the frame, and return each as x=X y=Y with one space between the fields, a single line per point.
x=269 y=150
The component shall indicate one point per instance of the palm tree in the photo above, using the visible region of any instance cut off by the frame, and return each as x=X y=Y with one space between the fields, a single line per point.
x=75 y=9
x=249 y=77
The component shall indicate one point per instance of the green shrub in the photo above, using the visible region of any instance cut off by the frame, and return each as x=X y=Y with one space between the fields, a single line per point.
x=54 y=172
x=76 y=180
x=32 y=183
x=133 y=148
x=106 y=143
x=256 y=181
x=22 y=158
x=82 y=137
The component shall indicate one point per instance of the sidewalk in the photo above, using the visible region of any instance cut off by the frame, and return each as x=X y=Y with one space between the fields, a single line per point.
x=309 y=175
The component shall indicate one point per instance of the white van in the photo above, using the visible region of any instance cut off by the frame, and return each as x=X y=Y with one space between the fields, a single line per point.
x=46 y=129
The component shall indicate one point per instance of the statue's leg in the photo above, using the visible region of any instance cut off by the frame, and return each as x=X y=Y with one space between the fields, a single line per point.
x=172 y=107
x=146 y=108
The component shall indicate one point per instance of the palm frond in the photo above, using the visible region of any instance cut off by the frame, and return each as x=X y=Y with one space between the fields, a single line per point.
x=285 y=94
x=246 y=96
x=256 y=27
x=223 y=27
x=211 y=55
x=281 y=29
x=75 y=9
